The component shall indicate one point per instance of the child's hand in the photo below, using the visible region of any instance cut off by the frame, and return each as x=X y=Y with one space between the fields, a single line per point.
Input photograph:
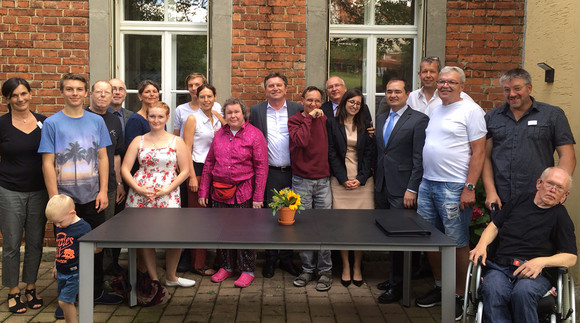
x=54 y=272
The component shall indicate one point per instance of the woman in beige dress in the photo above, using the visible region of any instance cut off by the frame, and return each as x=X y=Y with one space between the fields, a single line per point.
x=351 y=156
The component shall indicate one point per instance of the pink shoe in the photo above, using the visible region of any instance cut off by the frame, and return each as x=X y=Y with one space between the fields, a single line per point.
x=244 y=281
x=221 y=275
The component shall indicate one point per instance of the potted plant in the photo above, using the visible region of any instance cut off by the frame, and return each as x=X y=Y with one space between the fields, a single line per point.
x=286 y=202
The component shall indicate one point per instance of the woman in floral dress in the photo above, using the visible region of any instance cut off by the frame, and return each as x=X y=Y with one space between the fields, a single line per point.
x=156 y=183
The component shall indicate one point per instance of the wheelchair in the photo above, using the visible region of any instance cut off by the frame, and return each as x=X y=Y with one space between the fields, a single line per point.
x=559 y=308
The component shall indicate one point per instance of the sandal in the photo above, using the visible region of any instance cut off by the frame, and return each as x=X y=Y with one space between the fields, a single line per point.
x=35 y=303
x=19 y=306
x=204 y=271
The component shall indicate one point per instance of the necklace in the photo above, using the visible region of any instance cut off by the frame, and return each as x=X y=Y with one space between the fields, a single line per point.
x=154 y=144
x=24 y=120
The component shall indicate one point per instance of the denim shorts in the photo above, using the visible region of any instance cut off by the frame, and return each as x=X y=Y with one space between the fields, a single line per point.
x=438 y=204
x=67 y=286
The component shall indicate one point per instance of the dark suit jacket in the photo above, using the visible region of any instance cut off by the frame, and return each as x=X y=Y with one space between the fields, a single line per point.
x=365 y=150
x=400 y=164
x=126 y=114
x=259 y=117
x=327 y=109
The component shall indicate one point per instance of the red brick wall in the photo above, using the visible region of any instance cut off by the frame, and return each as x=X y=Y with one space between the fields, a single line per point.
x=40 y=41
x=268 y=36
x=485 y=38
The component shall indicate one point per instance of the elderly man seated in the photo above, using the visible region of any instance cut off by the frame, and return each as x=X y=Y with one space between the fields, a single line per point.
x=532 y=233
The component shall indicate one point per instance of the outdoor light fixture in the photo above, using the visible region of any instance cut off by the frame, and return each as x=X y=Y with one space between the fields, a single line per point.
x=549 y=77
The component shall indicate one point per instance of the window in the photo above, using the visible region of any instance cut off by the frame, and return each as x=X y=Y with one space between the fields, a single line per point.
x=164 y=41
x=372 y=41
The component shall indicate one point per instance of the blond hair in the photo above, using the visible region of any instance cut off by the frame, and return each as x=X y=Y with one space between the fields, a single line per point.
x=57 y=205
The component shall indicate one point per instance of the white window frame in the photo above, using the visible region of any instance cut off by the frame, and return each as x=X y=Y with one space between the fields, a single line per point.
x=371 y=33
x=165 y=29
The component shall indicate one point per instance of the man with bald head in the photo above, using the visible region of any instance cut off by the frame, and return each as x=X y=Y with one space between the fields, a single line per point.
x=533 y=232
x=116 y=106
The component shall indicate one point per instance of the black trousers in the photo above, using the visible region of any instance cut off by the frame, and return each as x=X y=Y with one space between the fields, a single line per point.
x=277 y=179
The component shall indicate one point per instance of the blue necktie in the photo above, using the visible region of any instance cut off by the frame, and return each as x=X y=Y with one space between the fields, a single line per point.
x=389 y=127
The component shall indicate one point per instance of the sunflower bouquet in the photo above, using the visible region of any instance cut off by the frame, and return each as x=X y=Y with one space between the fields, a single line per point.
x=285 y=198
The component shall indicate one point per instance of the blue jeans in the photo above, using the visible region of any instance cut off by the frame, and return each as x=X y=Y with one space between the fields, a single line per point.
x=438 y=204
x=314 y=194
x=509 y=299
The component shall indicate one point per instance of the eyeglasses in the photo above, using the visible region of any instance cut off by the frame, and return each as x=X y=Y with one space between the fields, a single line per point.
x=355 y=103
x=431 y=58
x=101 y=92
x=450 y=82
x=550 y=186
x=334 y=86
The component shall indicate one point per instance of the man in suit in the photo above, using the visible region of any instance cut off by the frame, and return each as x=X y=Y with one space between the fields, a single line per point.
x=116 y=105
x=400 y=139
x=271 y=117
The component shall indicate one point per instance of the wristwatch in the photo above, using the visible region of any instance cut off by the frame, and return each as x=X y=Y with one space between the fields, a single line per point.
x=470 y=186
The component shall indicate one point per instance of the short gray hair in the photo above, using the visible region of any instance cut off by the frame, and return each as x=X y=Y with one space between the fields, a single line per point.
x=243 y=106
x=459 y=71
x=516 y=73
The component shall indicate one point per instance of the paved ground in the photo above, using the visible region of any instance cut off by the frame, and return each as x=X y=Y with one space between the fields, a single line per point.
x=266 y=300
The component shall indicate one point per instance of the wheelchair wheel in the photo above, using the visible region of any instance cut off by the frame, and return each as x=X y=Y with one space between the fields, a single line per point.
x=472 y=300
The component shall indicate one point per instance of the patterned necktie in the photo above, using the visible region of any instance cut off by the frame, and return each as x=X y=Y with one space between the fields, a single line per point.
x=389 y=127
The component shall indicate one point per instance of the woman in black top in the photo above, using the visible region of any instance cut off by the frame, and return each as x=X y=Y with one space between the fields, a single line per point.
x=23 y=195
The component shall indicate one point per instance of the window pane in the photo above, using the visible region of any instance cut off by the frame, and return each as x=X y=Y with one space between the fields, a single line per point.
x=394 y=59
x=191 y=57
x=395 y=12
x=142 y=59
x=144 y=10
x=347 y=60
x=345 y=12
x=187 y=10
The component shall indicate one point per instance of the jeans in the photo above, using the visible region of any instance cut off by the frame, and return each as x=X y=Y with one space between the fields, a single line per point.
x=509 y=299
x=314 y=194
x=438 y=204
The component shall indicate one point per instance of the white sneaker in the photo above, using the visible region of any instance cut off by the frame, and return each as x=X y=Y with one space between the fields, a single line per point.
x=181 y=282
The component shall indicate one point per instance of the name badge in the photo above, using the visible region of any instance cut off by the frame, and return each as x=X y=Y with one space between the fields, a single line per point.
x=533 y=123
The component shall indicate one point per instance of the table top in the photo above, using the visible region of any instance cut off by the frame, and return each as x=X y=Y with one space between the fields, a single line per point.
x=257 y=228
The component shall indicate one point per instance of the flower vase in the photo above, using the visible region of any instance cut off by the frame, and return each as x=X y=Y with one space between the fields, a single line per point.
x=286 y=216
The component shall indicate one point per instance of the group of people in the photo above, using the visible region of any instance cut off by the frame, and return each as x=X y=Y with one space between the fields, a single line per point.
x=428 y=150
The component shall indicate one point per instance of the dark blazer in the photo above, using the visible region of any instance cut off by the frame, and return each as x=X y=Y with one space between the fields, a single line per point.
x=126 y=114
x=365 y=150
x=259 y=117
x=400 y=164
x=327 y=109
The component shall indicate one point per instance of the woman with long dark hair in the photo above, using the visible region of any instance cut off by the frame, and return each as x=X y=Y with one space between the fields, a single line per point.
x=351 y=154
x=137 y=125
x=23 y=195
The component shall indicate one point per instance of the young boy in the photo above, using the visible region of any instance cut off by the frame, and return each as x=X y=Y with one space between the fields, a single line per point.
x=68 y=229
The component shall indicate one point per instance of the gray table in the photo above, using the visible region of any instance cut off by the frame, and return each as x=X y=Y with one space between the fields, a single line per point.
x=258 y=229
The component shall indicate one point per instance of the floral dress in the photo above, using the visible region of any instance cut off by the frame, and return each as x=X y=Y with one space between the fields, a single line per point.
x=157 y=167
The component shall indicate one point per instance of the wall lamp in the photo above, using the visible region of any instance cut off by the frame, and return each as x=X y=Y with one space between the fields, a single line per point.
x=549 y=77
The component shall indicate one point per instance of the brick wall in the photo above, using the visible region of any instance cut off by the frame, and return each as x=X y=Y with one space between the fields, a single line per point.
x=40 y=41
x=268 y=36
x=485 y=38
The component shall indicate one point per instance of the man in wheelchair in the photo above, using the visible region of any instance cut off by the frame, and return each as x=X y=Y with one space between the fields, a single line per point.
x=530 y=233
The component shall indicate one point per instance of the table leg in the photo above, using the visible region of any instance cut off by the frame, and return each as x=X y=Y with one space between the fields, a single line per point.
x=133 y=276
x=86 y=281
x=407 y=278
x=448 y=284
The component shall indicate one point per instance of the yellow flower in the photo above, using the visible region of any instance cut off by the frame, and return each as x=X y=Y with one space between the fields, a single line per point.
x=293 y=207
